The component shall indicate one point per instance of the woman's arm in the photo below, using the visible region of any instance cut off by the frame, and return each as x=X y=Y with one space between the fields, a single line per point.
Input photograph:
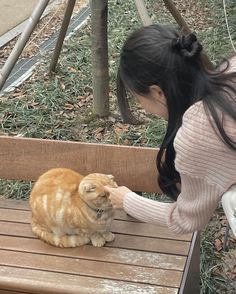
x=191 y=212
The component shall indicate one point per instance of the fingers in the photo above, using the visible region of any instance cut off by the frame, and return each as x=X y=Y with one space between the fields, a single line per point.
x=108 y=189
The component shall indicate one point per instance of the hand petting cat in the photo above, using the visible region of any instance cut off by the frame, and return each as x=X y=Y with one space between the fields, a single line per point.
x=117 y=195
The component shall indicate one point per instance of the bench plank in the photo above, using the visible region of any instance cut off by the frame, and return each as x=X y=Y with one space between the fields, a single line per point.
x=27 y=159
x=12 y=292
x=39 y=282
x=23 y=205
x=91 y=268
x=141 y=258
x=118 y=226
x=121 y=241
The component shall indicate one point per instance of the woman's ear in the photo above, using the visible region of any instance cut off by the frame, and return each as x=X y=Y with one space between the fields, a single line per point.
x=156 y=92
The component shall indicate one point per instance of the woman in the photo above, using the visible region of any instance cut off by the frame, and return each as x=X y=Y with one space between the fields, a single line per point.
x=165 y=72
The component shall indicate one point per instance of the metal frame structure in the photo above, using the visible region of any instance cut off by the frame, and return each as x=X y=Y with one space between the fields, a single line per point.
x=37 y=13
x=24 y=38
x=20 y=44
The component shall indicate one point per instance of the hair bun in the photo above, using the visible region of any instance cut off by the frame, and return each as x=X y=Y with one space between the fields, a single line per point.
x=187 y=45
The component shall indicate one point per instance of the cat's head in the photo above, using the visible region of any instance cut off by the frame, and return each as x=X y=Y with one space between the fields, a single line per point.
x=91 y=190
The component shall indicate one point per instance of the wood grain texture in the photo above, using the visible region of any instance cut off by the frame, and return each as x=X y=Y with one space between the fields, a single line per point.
x=125 y=256
x=2 y=291
x=91 y=268
x=35 y=281
x=27 y=159
x=121 y=240
x=24 y=205
x=142 y=259
x=120 y=225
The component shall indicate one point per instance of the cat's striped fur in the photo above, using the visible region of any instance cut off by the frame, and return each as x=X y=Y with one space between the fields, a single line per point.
x=70 y=210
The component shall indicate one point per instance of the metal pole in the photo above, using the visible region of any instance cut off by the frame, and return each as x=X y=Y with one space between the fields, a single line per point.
x=62 y=33
x=20 y=44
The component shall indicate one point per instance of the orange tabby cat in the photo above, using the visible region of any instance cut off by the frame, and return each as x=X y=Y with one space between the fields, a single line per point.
x=70 y=210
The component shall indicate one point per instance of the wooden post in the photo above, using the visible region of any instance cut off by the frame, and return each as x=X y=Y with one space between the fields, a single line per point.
x=181 y=22
x=100 y=73
x=61 y=36
x=145 y=18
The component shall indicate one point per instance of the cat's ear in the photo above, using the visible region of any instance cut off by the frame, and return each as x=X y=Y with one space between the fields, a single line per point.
x=111 y=177
x=89 y=187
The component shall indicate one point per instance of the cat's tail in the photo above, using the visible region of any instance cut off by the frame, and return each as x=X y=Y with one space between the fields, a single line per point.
x=56 y=240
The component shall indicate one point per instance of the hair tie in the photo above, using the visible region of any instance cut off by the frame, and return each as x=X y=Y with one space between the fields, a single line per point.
x=187 y=45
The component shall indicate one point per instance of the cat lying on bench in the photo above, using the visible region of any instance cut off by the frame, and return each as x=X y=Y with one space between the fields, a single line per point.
x=70 y=210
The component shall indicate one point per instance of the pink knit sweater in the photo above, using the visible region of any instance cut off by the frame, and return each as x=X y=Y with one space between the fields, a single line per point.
x=207 y=168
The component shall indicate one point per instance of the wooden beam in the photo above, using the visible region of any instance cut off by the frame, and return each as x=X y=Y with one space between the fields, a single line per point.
x=27 y=159
x=62 y=34
x=143 y=13
x=184 y=27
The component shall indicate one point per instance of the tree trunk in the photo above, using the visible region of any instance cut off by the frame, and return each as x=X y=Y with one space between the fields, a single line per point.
x=100 y=73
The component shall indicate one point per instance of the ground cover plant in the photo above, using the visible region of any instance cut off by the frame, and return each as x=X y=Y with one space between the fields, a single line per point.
x=59 y=107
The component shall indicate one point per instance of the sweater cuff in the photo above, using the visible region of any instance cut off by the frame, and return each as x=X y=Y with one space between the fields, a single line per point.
x=147 y=210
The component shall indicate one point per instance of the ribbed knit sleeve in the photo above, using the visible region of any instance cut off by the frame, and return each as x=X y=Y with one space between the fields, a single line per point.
x=191 y=212
x=207 y=168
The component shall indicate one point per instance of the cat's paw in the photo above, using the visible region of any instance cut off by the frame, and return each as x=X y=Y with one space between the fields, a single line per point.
x=108 y=236
x=98 y=240
x=75 y=240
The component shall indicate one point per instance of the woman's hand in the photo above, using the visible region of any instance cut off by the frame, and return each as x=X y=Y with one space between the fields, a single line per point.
x=117 y=195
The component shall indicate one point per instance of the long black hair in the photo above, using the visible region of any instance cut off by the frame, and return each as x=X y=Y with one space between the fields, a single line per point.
x=159 y=55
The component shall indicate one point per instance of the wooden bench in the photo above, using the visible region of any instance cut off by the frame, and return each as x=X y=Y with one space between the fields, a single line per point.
x=143 y=258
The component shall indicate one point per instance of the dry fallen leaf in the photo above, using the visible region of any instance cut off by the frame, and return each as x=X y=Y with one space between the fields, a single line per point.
x=218 y=244
x=62 y=85
x=71 y=69
x=126 y=142
x=68 y=106
x=120 y=128
x=99 y=130
x=81 y=97
x=98 y=136
x=33 y=105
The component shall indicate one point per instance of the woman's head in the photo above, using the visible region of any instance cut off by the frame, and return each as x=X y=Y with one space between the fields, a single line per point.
x=157 y=56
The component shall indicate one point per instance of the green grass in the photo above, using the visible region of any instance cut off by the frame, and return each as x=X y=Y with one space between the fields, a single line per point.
x=60 y=106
